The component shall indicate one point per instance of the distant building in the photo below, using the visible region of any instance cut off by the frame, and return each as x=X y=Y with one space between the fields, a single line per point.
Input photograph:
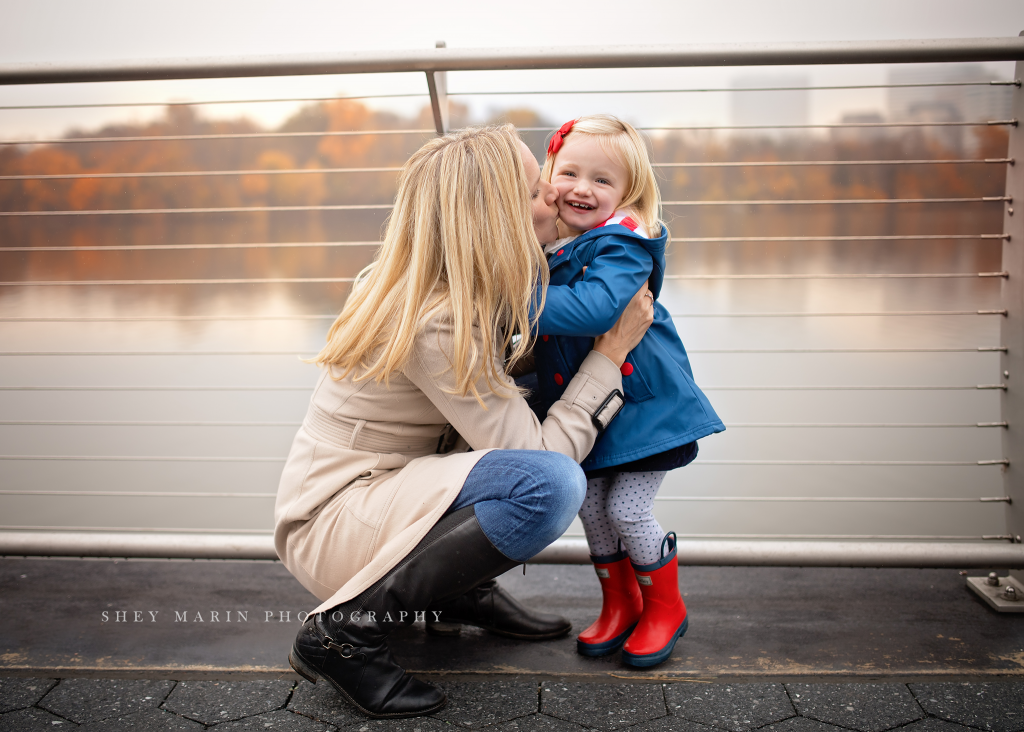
x=785 y=102
x=864 y=129
x=968 y=98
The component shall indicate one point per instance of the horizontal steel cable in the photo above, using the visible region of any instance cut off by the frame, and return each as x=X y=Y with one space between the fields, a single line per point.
x=203 y=102
x=840 y=314
x=326 y=244
x=198 y=173
x=160 y=318
x=269 y=532
x=803 y=163
x=333 y=171
x=847 y=387
x=730 y=425
x=145 y=458
x=695 y=499
x=1012 y=82
x=812 y=126
x=839 y=201
x=864 y=313
x=137 y=494
x=827 y=499
x=978 y=349
x=891 y=313
x=306 y=280
x=214 y=210
x=828 y=237
x=227 y=281
x=856 y=463
x=836 y=126
x=107 y=105
x=306 y=388
x=221 y=459
x=336 y=133
x=217 y=136
x=310 y=353
x=136 y=529
x=162 y=354
x=191 y=247
x=825 y=276
x=332 y=316
x=131 y=423
x=368 y=206
x=157 y=388
x=872 y=425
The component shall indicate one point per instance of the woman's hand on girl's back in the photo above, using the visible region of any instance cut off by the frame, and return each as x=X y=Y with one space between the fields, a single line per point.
x=629 y=329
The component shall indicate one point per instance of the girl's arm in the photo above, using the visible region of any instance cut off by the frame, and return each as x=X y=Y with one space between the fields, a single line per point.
x=591 y=306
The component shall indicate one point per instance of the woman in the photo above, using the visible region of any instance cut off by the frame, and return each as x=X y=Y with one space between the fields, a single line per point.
x=381 y=511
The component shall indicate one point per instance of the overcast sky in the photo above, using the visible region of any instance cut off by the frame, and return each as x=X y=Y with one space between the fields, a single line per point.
x=82 y=30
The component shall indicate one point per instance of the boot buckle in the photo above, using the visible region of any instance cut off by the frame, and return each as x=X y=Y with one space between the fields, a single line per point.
x=344 y=649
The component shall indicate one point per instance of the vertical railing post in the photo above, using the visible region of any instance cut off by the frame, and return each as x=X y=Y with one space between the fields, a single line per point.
x=1012 y=330
x=437 y=83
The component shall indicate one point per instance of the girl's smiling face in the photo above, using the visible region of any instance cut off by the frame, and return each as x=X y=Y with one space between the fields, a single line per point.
x=590 y=182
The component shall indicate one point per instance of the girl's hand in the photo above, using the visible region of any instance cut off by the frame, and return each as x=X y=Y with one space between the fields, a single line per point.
x=629 y=329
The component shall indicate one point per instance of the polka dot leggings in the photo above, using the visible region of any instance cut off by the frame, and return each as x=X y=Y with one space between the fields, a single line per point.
x=620 y=506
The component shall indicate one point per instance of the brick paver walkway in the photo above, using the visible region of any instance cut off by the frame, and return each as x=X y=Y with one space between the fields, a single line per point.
x=514 y=705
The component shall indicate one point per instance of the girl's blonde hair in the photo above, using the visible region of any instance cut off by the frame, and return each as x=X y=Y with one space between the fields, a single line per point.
x=459 y=241
x=621 y=139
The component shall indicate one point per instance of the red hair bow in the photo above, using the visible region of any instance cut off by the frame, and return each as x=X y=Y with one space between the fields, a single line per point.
x=556 y=142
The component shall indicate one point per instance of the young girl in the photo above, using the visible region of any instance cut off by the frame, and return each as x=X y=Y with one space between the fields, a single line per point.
x=608 y=202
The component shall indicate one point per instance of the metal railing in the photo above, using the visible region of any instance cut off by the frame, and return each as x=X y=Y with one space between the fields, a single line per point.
x=966 y=550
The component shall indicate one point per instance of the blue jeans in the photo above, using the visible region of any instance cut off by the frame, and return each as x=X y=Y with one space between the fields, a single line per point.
x=524 y=499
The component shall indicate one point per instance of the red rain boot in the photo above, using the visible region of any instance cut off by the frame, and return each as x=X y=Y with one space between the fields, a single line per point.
x=664 y=616
x=621 y=607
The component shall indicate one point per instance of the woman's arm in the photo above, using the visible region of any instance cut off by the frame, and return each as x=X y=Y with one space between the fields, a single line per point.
x=629 y=329
x=509 y=423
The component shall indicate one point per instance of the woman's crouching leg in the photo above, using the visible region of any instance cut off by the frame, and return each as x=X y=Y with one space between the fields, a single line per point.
x=347 y=645
x=524 y=499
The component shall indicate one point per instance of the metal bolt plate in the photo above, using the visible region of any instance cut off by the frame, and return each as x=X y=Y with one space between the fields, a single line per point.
x=994 y=596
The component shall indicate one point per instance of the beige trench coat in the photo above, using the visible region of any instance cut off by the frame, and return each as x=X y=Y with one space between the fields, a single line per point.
x=363 y=482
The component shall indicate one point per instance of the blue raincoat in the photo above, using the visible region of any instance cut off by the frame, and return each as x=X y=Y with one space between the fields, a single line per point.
x=664 y=407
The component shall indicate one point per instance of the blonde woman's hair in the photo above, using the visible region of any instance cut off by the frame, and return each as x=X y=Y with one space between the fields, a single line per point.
x=621 y=139
x=460 y=242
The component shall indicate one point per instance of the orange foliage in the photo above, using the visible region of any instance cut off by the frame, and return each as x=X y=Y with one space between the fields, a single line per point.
x=391 y=150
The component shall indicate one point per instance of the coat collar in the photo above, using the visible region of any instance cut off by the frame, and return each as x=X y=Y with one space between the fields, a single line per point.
x=561 y=250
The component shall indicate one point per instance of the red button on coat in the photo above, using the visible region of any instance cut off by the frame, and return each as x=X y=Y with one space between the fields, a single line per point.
x=544 y=338
x=559 y=252
x=558 y=379
x=626 y=369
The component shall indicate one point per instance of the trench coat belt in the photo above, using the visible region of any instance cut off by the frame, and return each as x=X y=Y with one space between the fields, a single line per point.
x=361 y=435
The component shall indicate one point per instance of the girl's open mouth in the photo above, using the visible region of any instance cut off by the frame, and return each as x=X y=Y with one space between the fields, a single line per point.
x=580 y=206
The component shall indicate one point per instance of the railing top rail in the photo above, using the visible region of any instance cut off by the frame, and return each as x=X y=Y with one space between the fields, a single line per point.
x=497 y=59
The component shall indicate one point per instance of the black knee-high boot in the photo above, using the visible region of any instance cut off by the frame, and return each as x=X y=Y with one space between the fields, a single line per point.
x=347 y=645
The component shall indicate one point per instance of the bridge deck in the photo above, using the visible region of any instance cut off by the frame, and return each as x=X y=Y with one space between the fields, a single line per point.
x=745 y=623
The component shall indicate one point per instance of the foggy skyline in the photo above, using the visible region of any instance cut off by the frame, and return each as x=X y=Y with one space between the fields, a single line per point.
x=116 y=29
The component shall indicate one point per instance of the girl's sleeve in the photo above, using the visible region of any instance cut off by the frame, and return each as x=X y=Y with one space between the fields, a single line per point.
x=591 y=306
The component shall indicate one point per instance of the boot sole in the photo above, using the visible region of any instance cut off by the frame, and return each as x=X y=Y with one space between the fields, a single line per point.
x=605 y=648
x=310 y=675
x=653 y=659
